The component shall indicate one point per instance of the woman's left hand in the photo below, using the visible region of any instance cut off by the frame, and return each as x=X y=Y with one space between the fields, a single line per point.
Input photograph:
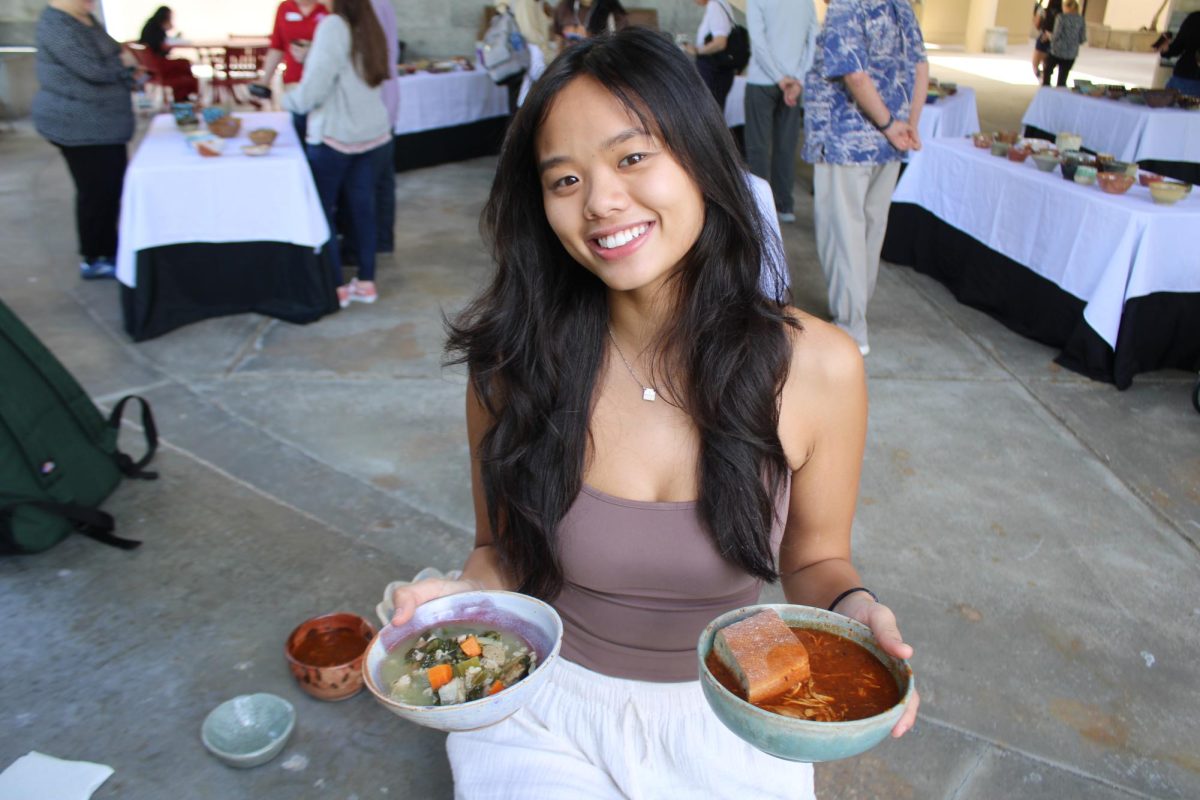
x=882 y=622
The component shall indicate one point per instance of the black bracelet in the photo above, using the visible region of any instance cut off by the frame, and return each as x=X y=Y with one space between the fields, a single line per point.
x=849 y=592
x=886 y=125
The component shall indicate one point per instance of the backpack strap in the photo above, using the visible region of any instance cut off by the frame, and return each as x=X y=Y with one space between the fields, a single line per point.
x=129 y=467
x=91 y=522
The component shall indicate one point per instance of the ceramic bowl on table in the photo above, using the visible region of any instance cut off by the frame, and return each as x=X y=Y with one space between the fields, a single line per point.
x=1147 y=178
x=263 y=135
x=1114 y=182
x=948 y=88
x=932 y=96
x=1000 y=148
x=1085 y=175
x=325 y=654
x=530 y=619
x=982 y=140
x=256 y=149
x=1115 y=91
x=802 y=739
x=1046 y=162
x=1123 y=167
x=1008 y=137
x=1018 y=153
x=249 y=729
x=1168 y=193
x=214 y=113
x=208 y=146
x=1082 y=86
x=225 y=127
x=1159 y=98
x=1188 y=102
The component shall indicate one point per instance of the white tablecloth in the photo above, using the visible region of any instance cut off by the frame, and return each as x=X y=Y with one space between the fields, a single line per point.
x=955 y=115
x=173 y=195
x=1101 y=248
x=950 y=116
x=1131 y=133
x=430 y=101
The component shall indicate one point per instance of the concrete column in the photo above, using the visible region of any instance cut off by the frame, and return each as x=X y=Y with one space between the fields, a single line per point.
x=981 y=15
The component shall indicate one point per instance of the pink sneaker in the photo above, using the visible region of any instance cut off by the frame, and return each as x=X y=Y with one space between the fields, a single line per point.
x=362 y=292
x=343 y=296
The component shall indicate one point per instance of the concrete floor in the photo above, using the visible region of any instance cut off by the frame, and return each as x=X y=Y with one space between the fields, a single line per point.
x=1036 y=532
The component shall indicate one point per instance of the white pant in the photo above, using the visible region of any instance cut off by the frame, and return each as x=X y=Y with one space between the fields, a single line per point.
x=850 y=210
x=587 y=736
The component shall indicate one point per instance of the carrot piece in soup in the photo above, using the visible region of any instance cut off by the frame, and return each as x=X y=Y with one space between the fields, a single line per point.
x=496 y=687
x=439 y=676
x=470 y=647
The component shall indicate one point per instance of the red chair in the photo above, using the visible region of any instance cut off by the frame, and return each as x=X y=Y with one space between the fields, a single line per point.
x=148 y=62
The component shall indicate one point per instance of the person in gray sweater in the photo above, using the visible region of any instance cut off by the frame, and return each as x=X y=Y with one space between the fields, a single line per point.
x=84 y=108
x=348 y=129
x=1070 y=31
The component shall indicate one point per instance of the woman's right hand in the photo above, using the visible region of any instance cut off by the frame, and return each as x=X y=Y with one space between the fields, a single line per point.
x=407 y=598
x=128 y=59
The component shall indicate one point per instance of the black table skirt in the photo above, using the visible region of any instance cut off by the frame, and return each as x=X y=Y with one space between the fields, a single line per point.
x=1187 y=171
x=444 y=145
x=184 y=283
x=1158 y=331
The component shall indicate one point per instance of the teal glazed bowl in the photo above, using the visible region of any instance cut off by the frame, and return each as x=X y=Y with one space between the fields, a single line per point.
x=801 y=739
x=248 y=730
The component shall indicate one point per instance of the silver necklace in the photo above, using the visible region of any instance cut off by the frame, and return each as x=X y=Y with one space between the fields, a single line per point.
x=648 y=392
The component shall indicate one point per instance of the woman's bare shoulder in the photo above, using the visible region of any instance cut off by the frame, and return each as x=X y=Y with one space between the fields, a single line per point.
x=823 y=355
x=825 y=387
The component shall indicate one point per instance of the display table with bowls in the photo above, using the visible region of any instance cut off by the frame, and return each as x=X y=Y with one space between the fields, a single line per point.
x=1111 y=280
x=205 y=237
x=1128 y=130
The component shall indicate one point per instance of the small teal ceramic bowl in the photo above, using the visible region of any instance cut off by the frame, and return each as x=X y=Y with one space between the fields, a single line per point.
x=527 y=617
x=801 y=739
x=248 y=730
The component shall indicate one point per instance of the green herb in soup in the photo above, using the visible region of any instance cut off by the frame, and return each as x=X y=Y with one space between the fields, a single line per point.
x=454 y=664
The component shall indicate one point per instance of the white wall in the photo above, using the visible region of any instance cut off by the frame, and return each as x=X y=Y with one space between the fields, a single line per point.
x=196 y=19
x=1131 y=15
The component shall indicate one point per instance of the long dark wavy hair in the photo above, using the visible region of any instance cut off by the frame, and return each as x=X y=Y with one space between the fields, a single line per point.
x=535 y=340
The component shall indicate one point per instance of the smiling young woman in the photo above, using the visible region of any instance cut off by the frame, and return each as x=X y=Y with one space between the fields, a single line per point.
x=628 y=261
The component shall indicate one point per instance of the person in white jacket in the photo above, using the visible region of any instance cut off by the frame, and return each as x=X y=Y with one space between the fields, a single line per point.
x=348 y=130
x=782 y=36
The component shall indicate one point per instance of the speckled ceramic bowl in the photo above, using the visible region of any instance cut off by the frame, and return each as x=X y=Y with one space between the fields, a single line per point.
x=1046 y=162
x=248 y=730
x=318 y=672
x=800 y=739
x=531 y=619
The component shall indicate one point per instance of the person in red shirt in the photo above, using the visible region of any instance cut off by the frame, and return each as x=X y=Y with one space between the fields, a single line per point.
x=295 y=25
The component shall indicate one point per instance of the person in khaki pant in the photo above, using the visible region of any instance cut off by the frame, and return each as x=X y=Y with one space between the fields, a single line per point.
x=862 y=99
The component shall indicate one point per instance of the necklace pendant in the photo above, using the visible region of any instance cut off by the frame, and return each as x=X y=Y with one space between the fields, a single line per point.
x=649 y=394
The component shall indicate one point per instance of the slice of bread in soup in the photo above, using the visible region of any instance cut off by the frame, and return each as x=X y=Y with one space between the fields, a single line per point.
x=763 y=654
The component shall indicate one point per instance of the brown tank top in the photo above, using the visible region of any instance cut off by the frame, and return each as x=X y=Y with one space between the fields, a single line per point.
x=642 y=580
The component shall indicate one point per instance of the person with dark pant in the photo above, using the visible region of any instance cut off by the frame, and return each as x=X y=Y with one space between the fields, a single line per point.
x=385 y=185
x=782 y=37
x=83 y=107
x=348 y=130
x=1185 y=47
x=711 y=38
x=1070 y=31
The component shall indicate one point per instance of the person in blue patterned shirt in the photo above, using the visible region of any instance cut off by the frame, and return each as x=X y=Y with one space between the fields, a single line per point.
x=862 y=99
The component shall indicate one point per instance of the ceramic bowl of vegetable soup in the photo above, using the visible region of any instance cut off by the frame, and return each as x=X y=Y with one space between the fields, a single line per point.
x=464 y=661
x=843 y=701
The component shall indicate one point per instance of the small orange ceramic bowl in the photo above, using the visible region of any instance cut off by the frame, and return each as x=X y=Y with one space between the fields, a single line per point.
x=1018 y=154
x=325 y=655
x=1114 y=182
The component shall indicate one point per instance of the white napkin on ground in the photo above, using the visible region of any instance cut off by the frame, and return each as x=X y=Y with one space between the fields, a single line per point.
x=36 y=776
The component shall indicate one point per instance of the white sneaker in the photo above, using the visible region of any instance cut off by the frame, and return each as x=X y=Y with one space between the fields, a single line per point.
x=787 y=216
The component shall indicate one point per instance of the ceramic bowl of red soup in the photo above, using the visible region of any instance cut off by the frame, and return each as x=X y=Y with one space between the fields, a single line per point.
x=325 y=655
x=801 y=683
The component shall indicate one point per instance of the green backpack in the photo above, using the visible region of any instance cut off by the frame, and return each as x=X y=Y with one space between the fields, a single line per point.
x=58 y=456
